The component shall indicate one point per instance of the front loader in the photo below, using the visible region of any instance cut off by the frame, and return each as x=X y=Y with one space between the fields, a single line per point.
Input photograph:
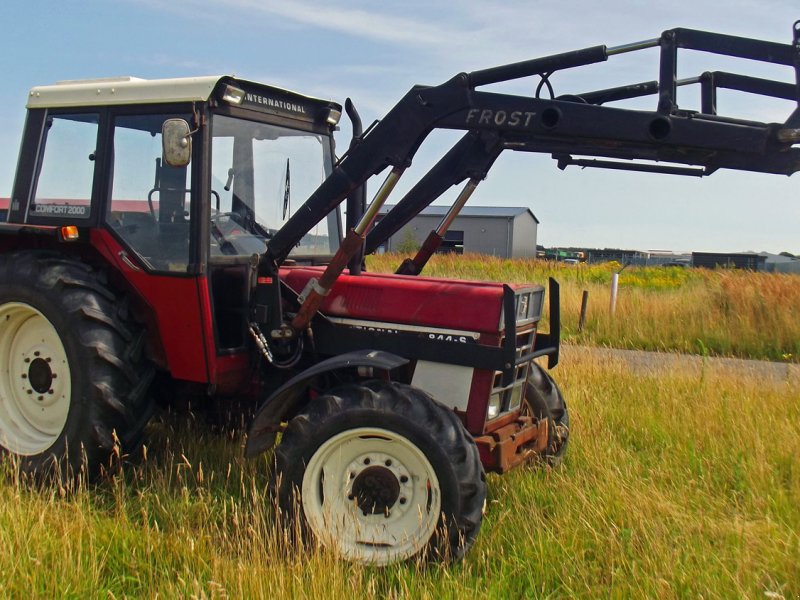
x=155 y=233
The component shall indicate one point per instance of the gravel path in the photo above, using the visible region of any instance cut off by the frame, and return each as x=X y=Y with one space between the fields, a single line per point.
x=640 y=361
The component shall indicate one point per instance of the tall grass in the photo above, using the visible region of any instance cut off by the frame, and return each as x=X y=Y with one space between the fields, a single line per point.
x=675 y=485
x=723 y=312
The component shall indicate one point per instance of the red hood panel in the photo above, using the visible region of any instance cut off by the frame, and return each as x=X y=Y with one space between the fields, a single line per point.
x=446 y=303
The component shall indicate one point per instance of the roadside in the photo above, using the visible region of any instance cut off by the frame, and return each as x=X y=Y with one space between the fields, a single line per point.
x=644 y=362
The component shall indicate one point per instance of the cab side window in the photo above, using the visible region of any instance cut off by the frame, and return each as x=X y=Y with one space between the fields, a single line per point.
x=66 y=168
x=149 y=206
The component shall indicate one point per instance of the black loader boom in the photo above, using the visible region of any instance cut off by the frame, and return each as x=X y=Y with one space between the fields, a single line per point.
x=697 y=143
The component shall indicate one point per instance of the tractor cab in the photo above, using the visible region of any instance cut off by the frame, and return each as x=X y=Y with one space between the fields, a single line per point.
x=178 y=183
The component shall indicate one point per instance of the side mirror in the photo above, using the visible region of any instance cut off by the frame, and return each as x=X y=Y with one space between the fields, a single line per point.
x=176 y=140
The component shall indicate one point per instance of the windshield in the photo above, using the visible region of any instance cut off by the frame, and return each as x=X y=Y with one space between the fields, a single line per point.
x=260 y=175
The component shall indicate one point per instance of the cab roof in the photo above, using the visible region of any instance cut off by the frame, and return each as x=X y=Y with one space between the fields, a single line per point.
x=133 y=90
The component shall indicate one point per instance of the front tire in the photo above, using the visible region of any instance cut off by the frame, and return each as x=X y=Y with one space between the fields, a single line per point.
x=543 y=399
x=380 y=473
x=73 y=378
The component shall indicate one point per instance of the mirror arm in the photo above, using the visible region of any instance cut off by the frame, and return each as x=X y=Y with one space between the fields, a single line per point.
x=198 y=120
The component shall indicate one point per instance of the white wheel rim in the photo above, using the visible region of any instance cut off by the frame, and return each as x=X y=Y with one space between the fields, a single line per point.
x=337 y=487
x=35 y=383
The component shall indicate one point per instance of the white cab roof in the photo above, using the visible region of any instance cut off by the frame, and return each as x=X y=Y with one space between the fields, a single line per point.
x=122 y=90
x=132 y=90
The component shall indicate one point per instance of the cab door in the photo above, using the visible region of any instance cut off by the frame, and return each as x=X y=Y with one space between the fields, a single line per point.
x=150 y=229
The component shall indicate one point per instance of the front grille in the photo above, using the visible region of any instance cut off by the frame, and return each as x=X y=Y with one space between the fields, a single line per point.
x=509 y=397
x=522 y=309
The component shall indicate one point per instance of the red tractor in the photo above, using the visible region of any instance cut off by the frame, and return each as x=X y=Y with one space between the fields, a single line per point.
x=188 y=232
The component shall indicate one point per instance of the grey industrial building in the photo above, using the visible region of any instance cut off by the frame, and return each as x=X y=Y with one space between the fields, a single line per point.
x=504 y=231
x=776 y=263
x=761 y=261
x=739 y=260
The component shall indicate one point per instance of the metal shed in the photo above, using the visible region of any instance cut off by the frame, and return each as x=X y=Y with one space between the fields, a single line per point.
x=504 y=231
x=741 y=260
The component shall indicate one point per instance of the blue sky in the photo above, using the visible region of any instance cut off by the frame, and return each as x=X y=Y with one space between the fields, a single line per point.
x=374 y=51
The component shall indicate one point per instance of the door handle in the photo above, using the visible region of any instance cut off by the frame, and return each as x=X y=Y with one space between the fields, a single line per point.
x=126 y=259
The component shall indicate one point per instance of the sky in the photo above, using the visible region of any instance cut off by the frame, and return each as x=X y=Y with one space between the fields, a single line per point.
x=373 y=52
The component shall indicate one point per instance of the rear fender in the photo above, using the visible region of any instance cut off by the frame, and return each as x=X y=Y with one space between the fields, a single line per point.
x=263 y=430
x=16 y=236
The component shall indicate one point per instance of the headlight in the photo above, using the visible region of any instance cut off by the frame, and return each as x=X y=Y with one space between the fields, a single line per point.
x=233 y=95
x=494 y=406
x=332 y=116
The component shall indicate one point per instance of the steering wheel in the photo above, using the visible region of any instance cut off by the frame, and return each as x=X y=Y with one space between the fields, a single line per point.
x=224 y=242
x=185 y=191
x=233 y=217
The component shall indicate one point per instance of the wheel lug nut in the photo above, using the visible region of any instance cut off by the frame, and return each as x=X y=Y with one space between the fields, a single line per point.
x=402 y=500
x=37 y=353
x=366 y=461
x=41 y=398
x=24 y=376
x=388 y=463
x=30 y=392
x=51 y=392
x=350 y=497
x=27 y=360
x=352 y=475
x=48 y=359
x=403 y=478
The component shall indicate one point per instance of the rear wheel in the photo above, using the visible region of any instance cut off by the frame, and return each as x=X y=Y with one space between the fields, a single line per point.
x=37 y=388
x=380 y=473
x=73 y=378
x=544 y=400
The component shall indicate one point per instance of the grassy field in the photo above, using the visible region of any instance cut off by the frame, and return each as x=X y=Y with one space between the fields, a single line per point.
x=674 y=486
x=677 y=483
x=723 y=312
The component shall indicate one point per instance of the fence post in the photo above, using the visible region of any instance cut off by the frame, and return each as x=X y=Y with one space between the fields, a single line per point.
x=584 y=304
x=614 y=287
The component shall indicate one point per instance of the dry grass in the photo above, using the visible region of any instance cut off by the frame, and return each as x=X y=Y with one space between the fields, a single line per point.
x=675 y=485
x=723 y=313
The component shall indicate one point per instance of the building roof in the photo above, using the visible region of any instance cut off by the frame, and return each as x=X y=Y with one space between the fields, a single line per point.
x=504 y=212
x=736 y=254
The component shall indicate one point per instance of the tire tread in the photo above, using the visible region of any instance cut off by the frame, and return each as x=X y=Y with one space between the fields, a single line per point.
x=115 y=403
x=414 y=406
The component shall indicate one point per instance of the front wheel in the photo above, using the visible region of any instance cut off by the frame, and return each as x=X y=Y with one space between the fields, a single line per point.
x=380 y=473
x=544 y=400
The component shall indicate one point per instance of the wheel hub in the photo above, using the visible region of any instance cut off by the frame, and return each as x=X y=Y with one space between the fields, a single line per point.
x=376 y=490
x=40 y=375
x=36 y=388
x=371 y=494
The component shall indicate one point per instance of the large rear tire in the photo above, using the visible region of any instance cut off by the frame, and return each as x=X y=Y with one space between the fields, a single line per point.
x=73 y=377
x=545 y=401
x=381 y=473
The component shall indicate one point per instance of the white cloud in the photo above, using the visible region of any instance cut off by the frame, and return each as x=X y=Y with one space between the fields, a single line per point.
x=359 y=22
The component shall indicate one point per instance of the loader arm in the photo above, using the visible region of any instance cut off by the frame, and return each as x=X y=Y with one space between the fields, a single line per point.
x=562 y=126
x=579 y=123
x=395 y=139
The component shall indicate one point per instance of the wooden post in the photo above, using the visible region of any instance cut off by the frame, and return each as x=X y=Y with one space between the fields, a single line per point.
x=584 y=304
